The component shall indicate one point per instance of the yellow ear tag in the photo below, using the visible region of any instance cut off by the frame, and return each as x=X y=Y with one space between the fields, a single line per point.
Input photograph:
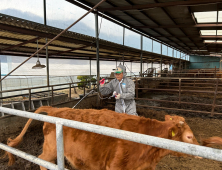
x=170 y=118
x=173 y=134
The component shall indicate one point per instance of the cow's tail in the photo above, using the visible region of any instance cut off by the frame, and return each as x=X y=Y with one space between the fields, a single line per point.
x=212 y=141
x=15 y=142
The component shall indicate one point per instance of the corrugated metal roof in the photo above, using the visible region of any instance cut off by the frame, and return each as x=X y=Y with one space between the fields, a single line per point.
x=168 y=21
x=15 y=31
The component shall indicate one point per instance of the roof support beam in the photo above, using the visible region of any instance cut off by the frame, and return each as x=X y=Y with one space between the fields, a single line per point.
x=26 y=42
x=162 y=5
x=211 y=37
x=182 y=26
x=61 y=52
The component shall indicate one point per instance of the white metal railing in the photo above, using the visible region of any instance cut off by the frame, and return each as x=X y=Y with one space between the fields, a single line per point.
x=205 y=152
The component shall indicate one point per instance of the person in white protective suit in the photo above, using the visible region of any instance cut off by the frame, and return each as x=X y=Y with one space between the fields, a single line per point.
x=123 y=89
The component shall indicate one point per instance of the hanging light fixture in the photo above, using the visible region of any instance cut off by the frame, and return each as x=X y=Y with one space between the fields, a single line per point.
x=38 y=64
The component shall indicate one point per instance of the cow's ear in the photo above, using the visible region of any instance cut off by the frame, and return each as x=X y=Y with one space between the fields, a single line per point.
x=173 y=131
x=168 y=117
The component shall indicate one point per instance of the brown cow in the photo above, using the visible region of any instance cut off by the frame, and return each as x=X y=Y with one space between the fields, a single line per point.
x=212 y=141
x=90 y=151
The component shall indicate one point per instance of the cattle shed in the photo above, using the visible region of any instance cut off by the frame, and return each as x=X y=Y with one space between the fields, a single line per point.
x=171 y=50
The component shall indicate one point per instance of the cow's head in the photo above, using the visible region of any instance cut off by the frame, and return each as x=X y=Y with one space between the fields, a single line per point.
x=183 y=132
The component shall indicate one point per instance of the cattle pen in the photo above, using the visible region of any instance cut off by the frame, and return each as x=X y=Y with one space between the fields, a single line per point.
x=171 y=51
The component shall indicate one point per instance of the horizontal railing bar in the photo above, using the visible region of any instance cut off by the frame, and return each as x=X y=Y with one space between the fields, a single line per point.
x=202 y=104
x=29 y=157
x=194 y=87
x=177 y=146
x=182 y=78
x=167 y=108
x=172 y=90
x=4 y=91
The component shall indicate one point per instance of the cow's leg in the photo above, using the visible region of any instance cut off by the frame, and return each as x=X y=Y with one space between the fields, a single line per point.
x=49 y=149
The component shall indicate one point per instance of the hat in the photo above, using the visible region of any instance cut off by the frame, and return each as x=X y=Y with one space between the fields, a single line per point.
x=118 y=70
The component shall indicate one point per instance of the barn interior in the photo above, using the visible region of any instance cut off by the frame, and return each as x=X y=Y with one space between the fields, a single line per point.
x=171 y=49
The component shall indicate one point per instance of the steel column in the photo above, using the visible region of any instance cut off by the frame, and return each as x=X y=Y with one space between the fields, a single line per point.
x=47 y=62
x=180 y=62
x=97 y=48
x=131 y=69
x=152 y=45
x=141 y=54
x=161 y=62
x=90 y=73
x=70 y=92
x=123 y=36
x=30 y=98
x=2 y=114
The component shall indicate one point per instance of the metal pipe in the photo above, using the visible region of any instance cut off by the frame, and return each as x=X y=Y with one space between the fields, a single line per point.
x=184 y=110
x=215 y=96
x=141 y=55
x=131 y=69
x=54 y=38
x=179 y=91
x=46 y=40
x=167 y=101
x=28 y=157
x=123 y=36
x=60 y=146
x=52 y=96
x=2 y=114
x=70 y=92
x=137 y=93
x=97 y=48
x=90 y=73
x=47 y=63
x=30 y=96
x=205 y=152
x=172 y=90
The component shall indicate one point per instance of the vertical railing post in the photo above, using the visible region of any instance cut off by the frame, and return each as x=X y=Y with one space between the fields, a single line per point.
x=1 y=101
x=30 y=99
x=215 y=96
x=179 y=91
x=70 y=91
x=60 y=146
x=84 y=89
x=136 y=88
x=215 y=72
x=52 y=96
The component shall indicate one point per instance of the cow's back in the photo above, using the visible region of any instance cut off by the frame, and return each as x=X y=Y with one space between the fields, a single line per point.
x=86 y=150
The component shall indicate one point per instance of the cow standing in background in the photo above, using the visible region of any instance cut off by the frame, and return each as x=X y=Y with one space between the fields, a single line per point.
x=91 y=151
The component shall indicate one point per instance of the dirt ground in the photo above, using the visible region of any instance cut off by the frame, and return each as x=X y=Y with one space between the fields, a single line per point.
x=202 y=126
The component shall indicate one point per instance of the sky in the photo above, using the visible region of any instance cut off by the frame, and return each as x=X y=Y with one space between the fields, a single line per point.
x=61 y=14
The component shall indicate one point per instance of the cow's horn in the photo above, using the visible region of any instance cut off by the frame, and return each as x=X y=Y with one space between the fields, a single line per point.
x=181 y=122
